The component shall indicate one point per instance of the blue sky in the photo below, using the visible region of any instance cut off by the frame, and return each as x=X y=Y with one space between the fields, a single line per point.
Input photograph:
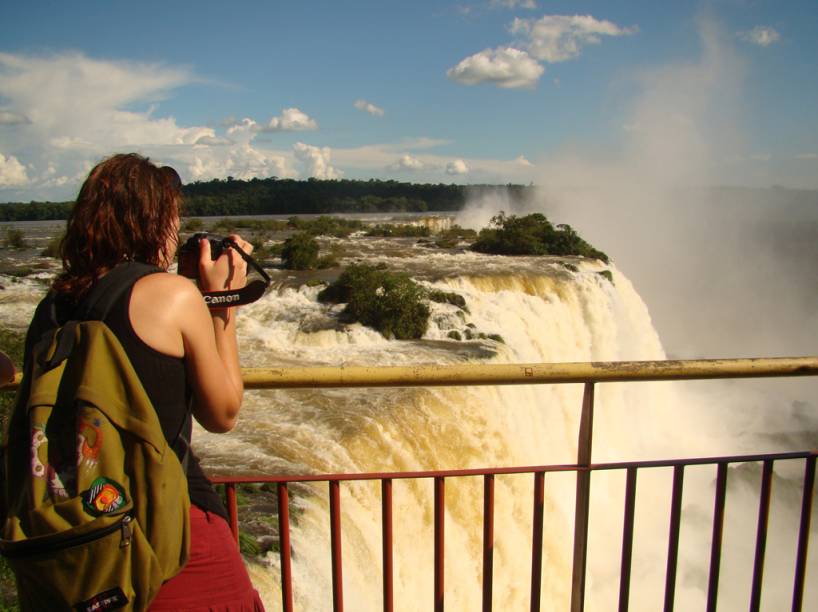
x=722 y=92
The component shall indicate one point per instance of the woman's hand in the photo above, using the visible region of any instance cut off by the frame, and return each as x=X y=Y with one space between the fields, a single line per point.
x=228 y=272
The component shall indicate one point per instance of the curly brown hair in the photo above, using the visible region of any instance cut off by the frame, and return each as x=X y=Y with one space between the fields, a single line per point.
x=126 y=210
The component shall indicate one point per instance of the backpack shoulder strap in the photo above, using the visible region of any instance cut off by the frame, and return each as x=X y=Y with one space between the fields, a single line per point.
x=110 y=287
x=94 y=307
x=98 y=303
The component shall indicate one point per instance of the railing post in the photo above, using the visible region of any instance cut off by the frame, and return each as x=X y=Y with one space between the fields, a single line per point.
x=761 y=535
x=584 y=449
x=716 y=540
x=536 y=540
x=673 y=537
x=386 y=511
x=335 y=546
x=488 y=541
x=284 y=546
x=440 y=519
x=627 y=540
x=232 y=509
x=803 y=535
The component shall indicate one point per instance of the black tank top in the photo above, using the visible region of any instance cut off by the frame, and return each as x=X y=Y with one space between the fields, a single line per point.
x=165 y=380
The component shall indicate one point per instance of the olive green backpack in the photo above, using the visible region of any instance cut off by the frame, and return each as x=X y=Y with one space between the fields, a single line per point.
x=95 y=509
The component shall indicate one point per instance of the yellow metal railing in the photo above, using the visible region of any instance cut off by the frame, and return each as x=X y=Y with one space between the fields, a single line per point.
x=523 y=374
x=518 y=374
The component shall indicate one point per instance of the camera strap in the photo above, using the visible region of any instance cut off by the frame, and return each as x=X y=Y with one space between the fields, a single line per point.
x=239 y=297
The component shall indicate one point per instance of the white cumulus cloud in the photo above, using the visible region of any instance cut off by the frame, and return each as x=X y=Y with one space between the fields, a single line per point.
x=505 y=67
x=407 y=162
x=70 y=95
x=12 y=172
x=212 y=140
x=241 y=162
x=290 y=120
x=317 y=160
x=557 y=38
x=763 y=36
x=457 y=166
x=368 y=107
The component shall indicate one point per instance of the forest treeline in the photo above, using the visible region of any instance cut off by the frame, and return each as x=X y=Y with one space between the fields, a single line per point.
x=274 y=196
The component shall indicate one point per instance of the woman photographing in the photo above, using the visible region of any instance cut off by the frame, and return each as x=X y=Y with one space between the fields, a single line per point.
x=184 y=353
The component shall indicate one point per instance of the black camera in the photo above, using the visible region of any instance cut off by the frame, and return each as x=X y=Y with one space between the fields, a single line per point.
x=189 y=267
x=217 y=245
x=189 y=252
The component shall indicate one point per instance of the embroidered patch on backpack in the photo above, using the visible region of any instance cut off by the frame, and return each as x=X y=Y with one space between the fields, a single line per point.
x=89 y=442
x=37 y=440
x=103 y=497
x=112 y=599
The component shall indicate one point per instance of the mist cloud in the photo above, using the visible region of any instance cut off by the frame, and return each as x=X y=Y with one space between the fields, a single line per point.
x=724 y=272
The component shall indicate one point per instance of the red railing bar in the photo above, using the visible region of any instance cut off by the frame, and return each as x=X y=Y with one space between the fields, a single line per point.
x=232 y=509
x=488 y=541
x=284 y=547
x=536 y=543
x=803 y=535
x=569 y=467
x=583 y=499
x=440 y=510
x=335 y=546
x=673 y=537
x=761 y=535
x=718 y=530
x=627 y=540
x=386 y=539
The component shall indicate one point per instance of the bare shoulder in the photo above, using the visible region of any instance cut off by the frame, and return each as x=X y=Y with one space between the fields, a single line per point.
x=161 y=307
x=166 y=289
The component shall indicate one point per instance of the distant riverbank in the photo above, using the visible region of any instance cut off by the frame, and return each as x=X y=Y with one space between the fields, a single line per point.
x=273 y=196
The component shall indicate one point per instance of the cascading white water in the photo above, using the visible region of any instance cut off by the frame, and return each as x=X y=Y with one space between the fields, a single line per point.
x=544 y=312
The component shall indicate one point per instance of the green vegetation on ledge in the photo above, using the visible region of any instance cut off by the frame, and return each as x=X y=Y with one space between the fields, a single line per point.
x=532 y=235
x=390 y=302
x=300 y=252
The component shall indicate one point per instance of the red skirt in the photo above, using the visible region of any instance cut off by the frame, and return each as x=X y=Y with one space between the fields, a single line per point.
x=214 y=579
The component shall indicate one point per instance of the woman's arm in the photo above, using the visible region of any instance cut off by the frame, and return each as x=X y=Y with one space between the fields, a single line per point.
x=228 y=272
x=168 y=313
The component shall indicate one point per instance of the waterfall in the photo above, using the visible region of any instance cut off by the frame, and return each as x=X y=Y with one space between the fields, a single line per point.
x=549 y=314
x=520 y=310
